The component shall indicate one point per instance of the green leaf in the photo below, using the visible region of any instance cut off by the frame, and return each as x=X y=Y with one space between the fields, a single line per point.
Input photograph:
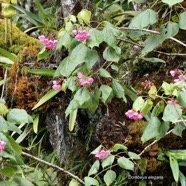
x=125 y=163
x=97 y=149
x=110 y=54
x=153 y=92
x=41 y=11
x=36 y=123
x=167 y=88
x=163 y=129
x=6 y=60
x=71 y=107
x=144 y=19
x=17 y=116
x=108 y=161
x=8 y=156
x=138 y=104
x=42 y=72
x=117 y=88
x=73 y=182
x=64 y=40
x=7 y=183
x=151 y=43
x=21 y=181
x=169 y=30
x=14 y=145
x=147 y=107
x=104 y=73
x=7 y=54
x=94 y=101
x=3 y=109
x=118 y=146
x=154 y=60
x=106 y=93
x=85 y=55
x=72 y=119
x=31 y=17
x=182 y=21
x=174 y=167
x=3 y=125
x=96 y=39
x=109 y=33
x=91 y=181
x=172 y=112
x=84 y=16
x=109 y=177
x=8 y=171
x=151 y=130
x=134 y=156
x=43 y=54
x=182 y=179
x=172 y=2
x=94 y=168
x=182 y=98
x=13 y=127
x=71 y=83
x=50 y=94
x=68 y=26
x=82 y=96
x=178 y=129
x=177 y=154
x=159 y=108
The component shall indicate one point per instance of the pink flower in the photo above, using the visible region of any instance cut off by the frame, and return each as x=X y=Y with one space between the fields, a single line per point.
x=83 y=81
x=172 y=101
x=102 y=154
x=181 y=77
x=57 y=84
x=79 y=75
x=81 y=35
x=134 y=115
x=2 y=146
x=49 y=44
x=56 y=87
x=175 y=72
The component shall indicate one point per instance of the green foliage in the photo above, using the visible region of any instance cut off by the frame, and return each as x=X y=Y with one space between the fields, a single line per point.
x=144 y=19
x=102 y=57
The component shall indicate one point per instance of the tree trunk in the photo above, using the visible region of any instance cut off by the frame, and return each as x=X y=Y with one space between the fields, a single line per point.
x=69 y=145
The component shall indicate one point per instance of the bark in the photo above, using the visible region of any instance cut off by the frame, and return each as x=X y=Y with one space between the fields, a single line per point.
x=70 y=145
x=67 y=7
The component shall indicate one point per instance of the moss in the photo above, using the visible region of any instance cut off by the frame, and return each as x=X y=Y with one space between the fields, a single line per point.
x=19 y=38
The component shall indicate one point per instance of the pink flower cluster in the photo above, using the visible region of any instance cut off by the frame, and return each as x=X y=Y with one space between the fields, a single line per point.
x=81 y=35
x=49 y=44
x=83 y=81
x=134 y=115
x=174 y=101
x=177 y=73
x=102 y=154
x=56 y=85
x=2 y=146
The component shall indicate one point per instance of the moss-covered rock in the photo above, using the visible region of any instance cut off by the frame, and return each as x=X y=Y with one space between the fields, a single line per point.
x=19 y=39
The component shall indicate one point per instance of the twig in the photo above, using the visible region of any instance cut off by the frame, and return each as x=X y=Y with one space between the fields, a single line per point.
x=3 y=89
x=157 y=51
x=155 y=141
x=53 y=166
x=152 y=31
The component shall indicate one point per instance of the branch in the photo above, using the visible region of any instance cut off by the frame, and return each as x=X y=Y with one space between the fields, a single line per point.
x=151 y=31
x=155 y=141
x=53 y=166
x=157 y=51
